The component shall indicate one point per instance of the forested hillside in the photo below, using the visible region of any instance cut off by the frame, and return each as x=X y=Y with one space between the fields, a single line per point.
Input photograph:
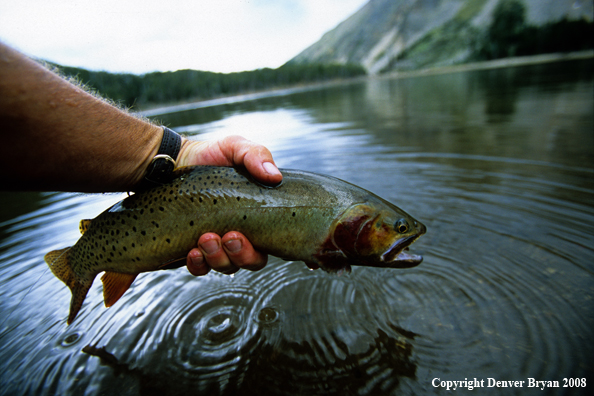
x=136 y=91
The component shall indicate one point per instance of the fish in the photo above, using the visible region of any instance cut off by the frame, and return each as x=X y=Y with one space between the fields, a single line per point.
x=318 y=219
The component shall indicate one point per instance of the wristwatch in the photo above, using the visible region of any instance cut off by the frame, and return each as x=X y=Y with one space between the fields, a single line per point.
x=161 y=167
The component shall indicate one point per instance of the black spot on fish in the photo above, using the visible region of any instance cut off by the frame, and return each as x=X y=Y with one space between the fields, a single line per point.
x=168 y=240
x=109 y=260
x=162 y=209
x=152 y=210
x=238 y=198
x=293 y=214
x=214 y=201
x=143 y=232
x=134 y=228
x=113 y=248
x=154 y=238
x=133 y=245
x=192 y=223
x=244 y=217
x=125 y=249
x=127 y=233
x=200 y=199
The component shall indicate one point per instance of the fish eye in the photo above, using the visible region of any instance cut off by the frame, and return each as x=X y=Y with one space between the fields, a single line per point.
x=402 y=226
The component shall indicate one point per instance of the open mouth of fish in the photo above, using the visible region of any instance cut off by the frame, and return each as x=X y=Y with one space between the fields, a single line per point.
x=397 y=256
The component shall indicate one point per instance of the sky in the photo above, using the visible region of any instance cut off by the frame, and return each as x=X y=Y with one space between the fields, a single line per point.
x=140 y=36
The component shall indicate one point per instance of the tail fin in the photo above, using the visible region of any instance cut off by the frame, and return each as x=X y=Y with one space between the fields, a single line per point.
x=57 y=260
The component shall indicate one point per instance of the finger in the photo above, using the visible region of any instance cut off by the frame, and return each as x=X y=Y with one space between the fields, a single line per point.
x=241 y=252
x=196 y=263
x=256 y=158
x=215 y=256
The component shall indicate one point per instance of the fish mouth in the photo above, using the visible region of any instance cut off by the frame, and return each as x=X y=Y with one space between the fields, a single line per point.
x=396 y=257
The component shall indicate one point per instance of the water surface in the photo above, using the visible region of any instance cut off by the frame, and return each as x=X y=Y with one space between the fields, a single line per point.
x=498 y=164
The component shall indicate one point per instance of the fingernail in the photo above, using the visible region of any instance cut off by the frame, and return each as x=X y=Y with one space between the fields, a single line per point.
x=233 y=245
x=210 y=247
x=197 y=260
x=270 y=168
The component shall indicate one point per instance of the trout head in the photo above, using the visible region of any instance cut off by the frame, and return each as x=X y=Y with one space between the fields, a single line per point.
x=372 y=235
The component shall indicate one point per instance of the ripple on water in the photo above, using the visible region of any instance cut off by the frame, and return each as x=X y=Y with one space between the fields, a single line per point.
x=505 y=285
x=504 y=292
x=330 y=336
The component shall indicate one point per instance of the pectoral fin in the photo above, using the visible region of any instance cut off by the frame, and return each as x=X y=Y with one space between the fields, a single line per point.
x=115 y=285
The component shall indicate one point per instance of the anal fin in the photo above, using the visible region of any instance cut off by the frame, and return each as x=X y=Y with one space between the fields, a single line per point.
x=115 y=285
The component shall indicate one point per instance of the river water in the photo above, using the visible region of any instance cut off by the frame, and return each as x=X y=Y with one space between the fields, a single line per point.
x=498 y=164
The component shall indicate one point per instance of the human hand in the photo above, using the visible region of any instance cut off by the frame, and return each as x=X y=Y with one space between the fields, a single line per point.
x=233 y=251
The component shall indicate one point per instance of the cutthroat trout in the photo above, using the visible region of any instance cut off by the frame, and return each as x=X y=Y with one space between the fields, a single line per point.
x=309 y=217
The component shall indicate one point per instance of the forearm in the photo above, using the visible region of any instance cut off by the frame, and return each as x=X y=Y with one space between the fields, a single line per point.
x=56 y=136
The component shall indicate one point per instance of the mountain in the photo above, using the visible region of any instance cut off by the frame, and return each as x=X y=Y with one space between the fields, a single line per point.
x=387 y=35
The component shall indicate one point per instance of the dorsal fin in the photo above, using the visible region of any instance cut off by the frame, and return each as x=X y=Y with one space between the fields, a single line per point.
x=115 y=285
x=84 y=225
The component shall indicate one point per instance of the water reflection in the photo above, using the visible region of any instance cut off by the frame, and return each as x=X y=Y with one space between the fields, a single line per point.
x=498 y=164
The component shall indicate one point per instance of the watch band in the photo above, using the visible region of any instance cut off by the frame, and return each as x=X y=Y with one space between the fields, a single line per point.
x=160 y=169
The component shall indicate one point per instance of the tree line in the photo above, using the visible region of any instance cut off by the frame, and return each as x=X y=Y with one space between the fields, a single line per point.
x=132 y=90
x=510 y=35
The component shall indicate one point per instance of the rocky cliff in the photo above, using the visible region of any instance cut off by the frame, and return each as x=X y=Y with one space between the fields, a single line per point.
x=389 y=35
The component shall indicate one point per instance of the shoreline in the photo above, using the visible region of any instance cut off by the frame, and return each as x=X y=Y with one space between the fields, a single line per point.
x=492 y=64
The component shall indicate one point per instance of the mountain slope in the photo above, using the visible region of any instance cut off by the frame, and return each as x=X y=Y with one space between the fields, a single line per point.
x=406 y=34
